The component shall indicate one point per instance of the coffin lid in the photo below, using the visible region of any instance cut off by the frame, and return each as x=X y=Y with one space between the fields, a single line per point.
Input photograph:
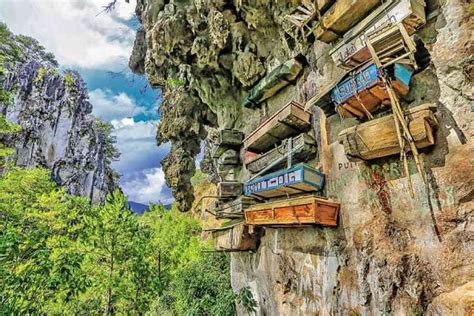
x=294 y=103
x=294 y=201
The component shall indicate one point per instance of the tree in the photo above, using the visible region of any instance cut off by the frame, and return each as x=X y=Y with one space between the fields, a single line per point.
x=39 y=262
x=121 y=248
x=58 y=253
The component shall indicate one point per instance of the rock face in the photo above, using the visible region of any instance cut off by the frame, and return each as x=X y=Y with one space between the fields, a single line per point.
x=391 y=253
x=58 y=131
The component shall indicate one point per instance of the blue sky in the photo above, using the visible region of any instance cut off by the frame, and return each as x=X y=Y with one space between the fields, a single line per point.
x=96 y=45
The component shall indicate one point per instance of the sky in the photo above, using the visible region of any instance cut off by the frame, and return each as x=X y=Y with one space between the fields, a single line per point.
x=98 y=45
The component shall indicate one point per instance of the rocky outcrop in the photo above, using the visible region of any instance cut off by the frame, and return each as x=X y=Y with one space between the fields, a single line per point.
x=58 y=131
x=391 y=253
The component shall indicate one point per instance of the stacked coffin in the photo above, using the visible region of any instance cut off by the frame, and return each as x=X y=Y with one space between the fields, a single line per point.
x=226 y=151
x=298 y=179
x=230 y=204
x=378 y=138
x=234 y=208
x=340 y=17
x=303 y=210
x=302 y=147
x=351 y=51
x=270 y=153
x=236 y=237
x=363 y=92
x=289 y=121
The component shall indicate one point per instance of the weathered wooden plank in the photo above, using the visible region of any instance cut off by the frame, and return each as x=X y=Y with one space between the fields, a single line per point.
x=234 y=208
x=227 y=138
x=295 y=211
x=341 y=16
x=351 y=51
x=303 y=148
x=229 y=189
x=276 y=80
x=308 y=11
x=288 y=121
x=300 y=178
x=240 y=237
x=229 y=157
x=378 y=138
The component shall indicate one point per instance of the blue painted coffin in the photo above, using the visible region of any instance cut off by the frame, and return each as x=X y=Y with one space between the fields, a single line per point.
x=300 y=178
x=360 y=81
x=363 y=90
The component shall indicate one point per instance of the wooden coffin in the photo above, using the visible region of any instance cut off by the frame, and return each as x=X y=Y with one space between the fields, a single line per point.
x=306 y=210
x=305 y=14
x=273 y=82
x=229 y=189
x=378 y=138
x=227 y=138
x=297 y=179
x=352 y=51
x=229 y=157
x=238 y=237
x=303 y=149
x=341 y=16
x=289 y=121
x=235 y=208
x=364 y=90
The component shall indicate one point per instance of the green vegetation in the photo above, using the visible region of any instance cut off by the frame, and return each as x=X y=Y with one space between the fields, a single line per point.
x=69 y=80
x=40 y=75
x=104 y=129
x=199 y=178
x=10 y=51
x=60 y=253
x=175 y=83
x=6 y=128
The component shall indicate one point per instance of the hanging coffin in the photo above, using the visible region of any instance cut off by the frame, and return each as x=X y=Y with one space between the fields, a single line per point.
x=239 y=237
x=298 y=179
x=229 y=189
x=290 y=120
x=303 y=148
x=340 y=17
x=364 y=93
x=273 y=82
x=227 y=138
x=235 y=208
x=351 y=51
x=306 y=210
x=378 y=138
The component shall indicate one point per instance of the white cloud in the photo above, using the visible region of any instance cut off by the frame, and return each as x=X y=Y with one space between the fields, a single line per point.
x=110 y=106
x=143 y=181
x=137 y=145
x=73 y=30
x=148 y=186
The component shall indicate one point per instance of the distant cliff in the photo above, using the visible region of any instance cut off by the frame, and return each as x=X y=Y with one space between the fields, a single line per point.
x=58 y=131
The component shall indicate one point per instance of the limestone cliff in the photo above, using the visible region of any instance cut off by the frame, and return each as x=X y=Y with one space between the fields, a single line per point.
x=391 y=253
x=58 y=131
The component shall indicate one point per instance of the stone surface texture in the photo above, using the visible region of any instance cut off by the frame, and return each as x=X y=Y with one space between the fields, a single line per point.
x=58 y=131
x=391 y=253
